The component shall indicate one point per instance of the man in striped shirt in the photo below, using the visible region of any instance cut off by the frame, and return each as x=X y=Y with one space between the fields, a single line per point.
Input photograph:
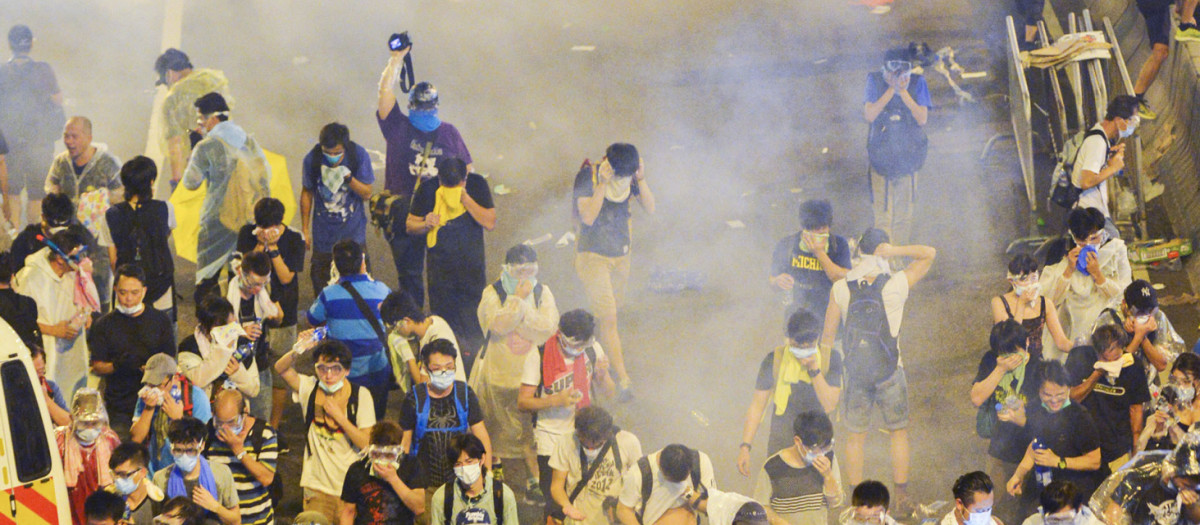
x=248 y=447
x=800 y=483
x=337 y=308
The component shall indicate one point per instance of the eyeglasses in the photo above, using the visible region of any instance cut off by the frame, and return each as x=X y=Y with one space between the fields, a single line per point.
x=522 y=271
x=446 y=368
x=387 y=454
x=326 y=370
x=821 y=451
x=898 y=66
x=127 y=474
x=875 y=519
x=1095 y=237
x=1062 y=518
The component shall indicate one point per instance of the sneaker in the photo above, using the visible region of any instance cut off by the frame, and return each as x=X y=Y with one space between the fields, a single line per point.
x=1144 y=110
x=533 y=493
x=1187 y=33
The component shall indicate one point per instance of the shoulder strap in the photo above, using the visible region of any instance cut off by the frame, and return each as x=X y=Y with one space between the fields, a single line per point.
x=185 y=389
x=310 y=407
x=499 y=288
x=695 y=457
x=647 y=481
x=1007 y=310
x=1116 y=318
x=1090 y=133
x=537 y=295
x=366 y=312
x=448 y=502
x=498 y=500
x=256 y=436
x=352 y=404
x=616 y=448
x=591 y=469
x=464 y=404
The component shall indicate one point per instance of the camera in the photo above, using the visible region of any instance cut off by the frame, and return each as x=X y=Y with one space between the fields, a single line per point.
x=399 y=41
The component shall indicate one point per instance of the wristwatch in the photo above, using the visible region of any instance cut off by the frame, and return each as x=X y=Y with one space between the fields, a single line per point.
x=1062 y=463
x=814 y=372
x=747 y=445
x=240 y=455
x=273 y=253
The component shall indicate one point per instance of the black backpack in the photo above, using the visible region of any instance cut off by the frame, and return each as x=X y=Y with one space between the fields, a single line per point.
x=311 y=407
x=147 y=245
x=275 y=490
x=448 y=501
x=648 y=478
x=871 y=353
x=896 y=143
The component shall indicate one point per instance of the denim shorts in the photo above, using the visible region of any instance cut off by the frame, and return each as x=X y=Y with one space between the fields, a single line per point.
x=891 y=395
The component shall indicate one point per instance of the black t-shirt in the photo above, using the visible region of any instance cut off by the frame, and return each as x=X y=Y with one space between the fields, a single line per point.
x=458 y=257
x=609 y=234
x=374 y=499
x=291 y=250
x=1070 y=433
x=811 y=291
x=433 y=469
x=1109 y=402
x=795 y=489
x=803 y=399
x=1009 y=441
x=1151 y=501
x=128 y=342
x=20 y=312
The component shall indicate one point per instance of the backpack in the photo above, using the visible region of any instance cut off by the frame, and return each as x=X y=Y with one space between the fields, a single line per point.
x=311 y=407
x=499 y=288
x=648 y=478
x=896 y=143
x=247 y=185
x=461 y=406
x=388 y=213
x=448 y=501
x=1063 y=191
x=870 y=350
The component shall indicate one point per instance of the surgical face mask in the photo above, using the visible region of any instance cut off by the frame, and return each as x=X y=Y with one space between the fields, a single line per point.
x=813 y=453
x=468 y=474
x=979 y=517
x=1130 y=126
x=87 y=436
x=591 y=453
x=125 y=486
x=131 y=310
x=187 y=462
x=802 y=352
x=572 y=347
x=333 y=159
x=1062 y=518
x=332 y=389
x=1066 y=404
x=442 y=379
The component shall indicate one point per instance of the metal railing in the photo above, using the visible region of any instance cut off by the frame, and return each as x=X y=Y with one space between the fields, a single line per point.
x=1020 y=108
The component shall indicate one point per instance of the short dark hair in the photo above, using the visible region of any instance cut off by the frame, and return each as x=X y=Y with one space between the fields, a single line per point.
x=1056 y=249
x=816 y=213
x=804 y=327
x=623 y=158
x=577 y=324
x=969 y=484
x=451 y=171
x=1008 y=336
x=191 y=513
x=334 y=134
x=386 y=433
x=66 y=241
x=870 y=493
x=519 y=254
x=347 y=257
x=465 y=442
x=1054 y=373
x=129 y=451
x=675 y=462
x=333 y=350
x=268 y=212
x=1082 y=222
x=104 y=505
x=1022 y=264
x=257 y=263
x=813 y=428
x=1122 y=106
x=187 y=430
x=213 y=311
x=6 y=267
x=131 y=270
x=57 y=209
x=1141 y=297
x=593 y=423
x=1060 y=494
x=871 y=239
x=35 y=350
x=1104 y=337
x=137 y=176
x=400 y=305
x=438 y=346
x=1188 y=363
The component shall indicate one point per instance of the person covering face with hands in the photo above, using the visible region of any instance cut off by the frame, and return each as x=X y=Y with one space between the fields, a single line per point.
x=249 y=447
x=1151 y=335
x=209 y=485
x=1025 y=304
x=802 y=482
x=132 y=482
x=166 y=396
x=377 y=488
x=1093 y=273
x=806 y=264
x=85 y=447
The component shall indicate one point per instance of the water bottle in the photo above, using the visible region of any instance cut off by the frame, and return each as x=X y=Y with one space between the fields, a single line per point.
x=1042 y=473
x=319 y=333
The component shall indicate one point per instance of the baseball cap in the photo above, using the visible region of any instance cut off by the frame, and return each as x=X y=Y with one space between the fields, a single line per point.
x=20 y=38
x=171 y=60
x=1141 y=297
x=158 y=368
x=751 y=513
x=473 y=516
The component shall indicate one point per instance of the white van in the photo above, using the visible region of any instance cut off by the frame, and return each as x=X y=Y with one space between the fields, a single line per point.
x=32 y=489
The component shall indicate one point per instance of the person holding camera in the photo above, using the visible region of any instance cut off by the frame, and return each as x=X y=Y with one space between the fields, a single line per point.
x=896 y=108
x=415 y=142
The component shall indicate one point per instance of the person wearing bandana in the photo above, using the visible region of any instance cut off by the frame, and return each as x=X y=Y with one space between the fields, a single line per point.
x=415 y=143
x=123 y=340
x=85 y=447
x=972 y=501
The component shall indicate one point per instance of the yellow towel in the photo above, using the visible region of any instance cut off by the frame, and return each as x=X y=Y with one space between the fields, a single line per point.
x=790 y=372
x=447 y=203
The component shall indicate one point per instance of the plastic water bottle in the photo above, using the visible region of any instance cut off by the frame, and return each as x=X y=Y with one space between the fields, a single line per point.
x=319 y=333
x=1041 y=472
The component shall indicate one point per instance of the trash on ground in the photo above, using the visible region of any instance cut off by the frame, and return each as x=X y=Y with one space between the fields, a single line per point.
x=538 y=240
x=567 y=238
x=736 y=224
x=502 y=190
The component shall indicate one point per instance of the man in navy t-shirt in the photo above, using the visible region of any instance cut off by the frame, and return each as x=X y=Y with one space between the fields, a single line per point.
x=806 y=263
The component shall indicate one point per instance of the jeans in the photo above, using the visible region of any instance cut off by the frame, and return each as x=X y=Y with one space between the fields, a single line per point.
x=408 y=252
x=893 y=201
x=459 y=307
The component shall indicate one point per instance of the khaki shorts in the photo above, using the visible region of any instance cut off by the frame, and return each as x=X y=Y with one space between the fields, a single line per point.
x=604 y=281
x=327 y=504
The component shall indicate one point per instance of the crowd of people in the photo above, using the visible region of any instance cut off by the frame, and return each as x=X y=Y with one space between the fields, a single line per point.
x=1086 y=394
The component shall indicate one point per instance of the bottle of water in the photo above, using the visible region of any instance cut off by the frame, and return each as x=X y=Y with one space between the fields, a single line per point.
x=319 y=333
x=1041 y=472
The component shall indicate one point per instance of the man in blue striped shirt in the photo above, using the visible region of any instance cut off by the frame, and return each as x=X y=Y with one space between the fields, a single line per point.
x=248 y=446
x=337 y=308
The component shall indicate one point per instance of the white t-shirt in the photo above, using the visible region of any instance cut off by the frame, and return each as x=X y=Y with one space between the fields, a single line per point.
x=555 y=424
x=665 y=495
x=332 y=453
x=895 y=294
x=605 y=481
x=951 y=519
x=440 y=329
x=1093 y=154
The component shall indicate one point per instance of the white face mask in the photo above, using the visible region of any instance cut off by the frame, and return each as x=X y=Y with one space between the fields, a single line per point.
x=469 y=474
x=131 y=310
x=591 y=453
x=981 y=517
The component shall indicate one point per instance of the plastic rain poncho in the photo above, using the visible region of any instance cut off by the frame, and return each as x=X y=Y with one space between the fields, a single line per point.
x=1078 y=299
x=179 y=110
x=1142 y=491
x=1166 y=339
x=66 y=359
